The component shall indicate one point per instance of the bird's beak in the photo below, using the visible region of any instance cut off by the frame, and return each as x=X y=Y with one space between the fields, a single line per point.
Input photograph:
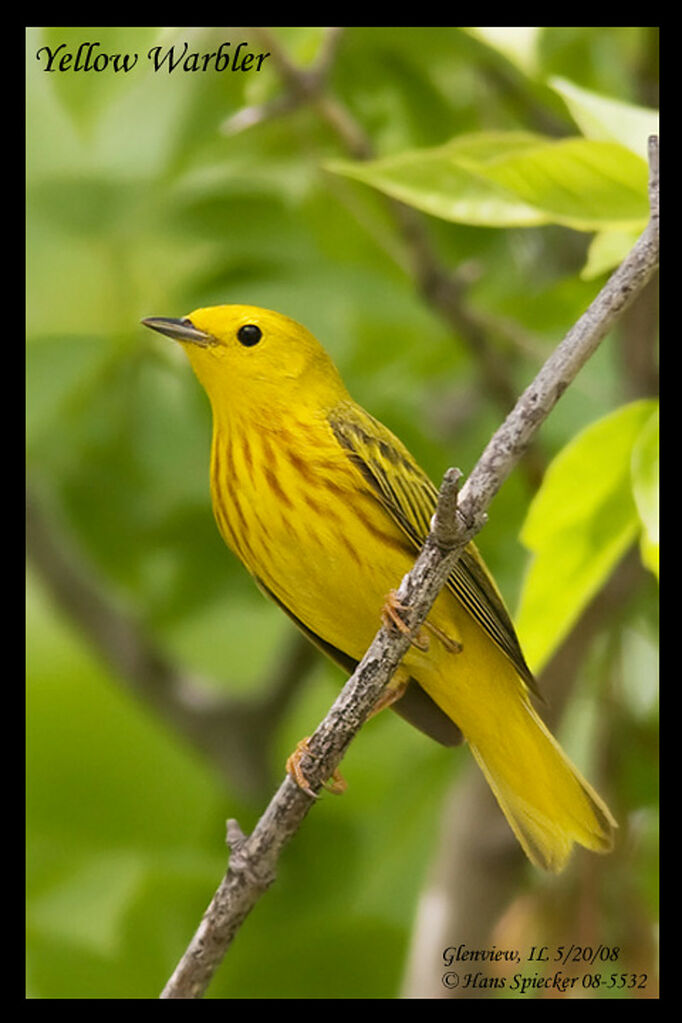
x=180 y=330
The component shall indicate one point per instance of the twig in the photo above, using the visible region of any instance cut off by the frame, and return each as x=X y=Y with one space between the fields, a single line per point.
x=254 y=869
x=444 y=523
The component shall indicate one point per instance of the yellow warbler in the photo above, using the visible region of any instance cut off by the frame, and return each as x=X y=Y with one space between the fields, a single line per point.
x=327 y=509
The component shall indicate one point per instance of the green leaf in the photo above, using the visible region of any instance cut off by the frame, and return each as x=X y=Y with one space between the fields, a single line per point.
x=650 y=554
x=581 y=184
x=645 y=488
x=436 y=181
x=579 y=524
x=606 y=119
x=499 y=179
x=607 y=250
x=518 y=45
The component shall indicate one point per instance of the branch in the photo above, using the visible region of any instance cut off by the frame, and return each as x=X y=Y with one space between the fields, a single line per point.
x=459 y=516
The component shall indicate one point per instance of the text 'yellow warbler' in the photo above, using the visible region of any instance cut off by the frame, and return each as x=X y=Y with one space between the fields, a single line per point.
x=328 y=510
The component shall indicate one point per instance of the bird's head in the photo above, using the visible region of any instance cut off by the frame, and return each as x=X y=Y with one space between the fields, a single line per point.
x=254 y=359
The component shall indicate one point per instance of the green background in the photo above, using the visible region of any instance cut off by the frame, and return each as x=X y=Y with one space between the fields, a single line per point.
x=144 y=199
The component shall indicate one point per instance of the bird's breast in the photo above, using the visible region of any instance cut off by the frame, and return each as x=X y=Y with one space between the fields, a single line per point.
x=298 y=514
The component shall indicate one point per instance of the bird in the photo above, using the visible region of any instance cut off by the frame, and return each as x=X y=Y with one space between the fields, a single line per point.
x=328 y=510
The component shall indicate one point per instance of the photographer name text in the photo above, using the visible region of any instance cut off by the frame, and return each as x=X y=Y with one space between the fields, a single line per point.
x=587 y=968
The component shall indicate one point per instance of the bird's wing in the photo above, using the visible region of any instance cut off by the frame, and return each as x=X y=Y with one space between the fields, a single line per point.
x=415 y=705
x=410 y=498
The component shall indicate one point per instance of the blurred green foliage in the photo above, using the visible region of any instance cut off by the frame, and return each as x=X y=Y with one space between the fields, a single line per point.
x=582 y=520
x=141 y=203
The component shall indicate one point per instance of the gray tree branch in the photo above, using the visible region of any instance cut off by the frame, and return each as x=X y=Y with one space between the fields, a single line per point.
x=254 y=858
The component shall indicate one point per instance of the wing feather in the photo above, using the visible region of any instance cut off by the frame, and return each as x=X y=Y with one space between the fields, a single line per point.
x=409 y=496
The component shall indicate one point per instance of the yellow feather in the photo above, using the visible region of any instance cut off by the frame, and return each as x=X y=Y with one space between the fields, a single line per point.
x=327 y=509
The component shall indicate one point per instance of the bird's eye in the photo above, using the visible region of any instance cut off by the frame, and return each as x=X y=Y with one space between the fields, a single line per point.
x=249 y=334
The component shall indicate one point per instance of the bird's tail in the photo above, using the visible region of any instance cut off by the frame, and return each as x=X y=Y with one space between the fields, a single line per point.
x=547 y=802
